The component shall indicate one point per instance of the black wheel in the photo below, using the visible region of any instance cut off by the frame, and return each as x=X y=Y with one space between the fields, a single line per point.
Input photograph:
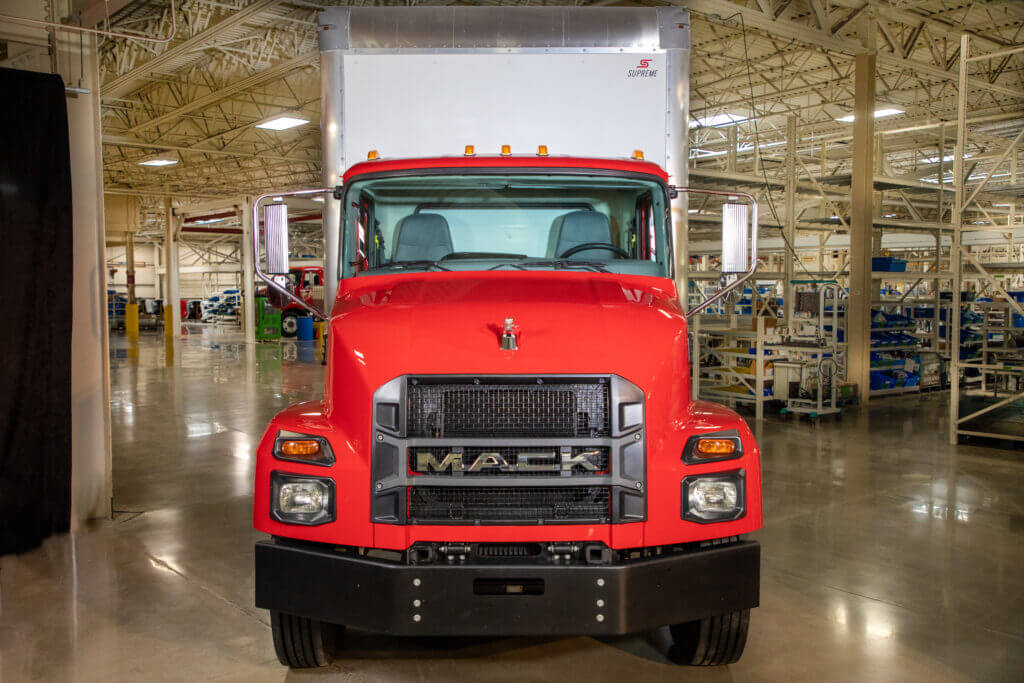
x=289 y=324
x=713 y=641
x=302 y=643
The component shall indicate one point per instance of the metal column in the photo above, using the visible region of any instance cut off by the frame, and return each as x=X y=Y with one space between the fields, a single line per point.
x=172 y=299
x=861 y=210
x=248 y=272
x=131 y=309
x=955 y=259
x=789 y=255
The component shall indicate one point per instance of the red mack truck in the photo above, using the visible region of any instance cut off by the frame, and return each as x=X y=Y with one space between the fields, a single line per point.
x=507 y=443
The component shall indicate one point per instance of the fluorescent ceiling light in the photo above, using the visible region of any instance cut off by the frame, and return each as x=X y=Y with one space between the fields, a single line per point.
x=948 y=157
x=718 y=120
x=282 y=123
x=158 y=162
x=318 y=198
x=205 y=221
x=278 y=199
x=879 y=114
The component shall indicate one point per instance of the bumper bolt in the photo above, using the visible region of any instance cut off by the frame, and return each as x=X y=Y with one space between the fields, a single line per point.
x=639 y=484
x=380 y=485
x=380 y=437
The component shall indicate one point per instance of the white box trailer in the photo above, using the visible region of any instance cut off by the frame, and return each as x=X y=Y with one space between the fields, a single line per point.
x=427 y=81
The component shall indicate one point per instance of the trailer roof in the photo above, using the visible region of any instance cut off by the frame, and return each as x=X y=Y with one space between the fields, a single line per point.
x=511 y=161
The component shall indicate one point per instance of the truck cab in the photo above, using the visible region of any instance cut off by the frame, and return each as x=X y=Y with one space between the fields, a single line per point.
x=507 y=442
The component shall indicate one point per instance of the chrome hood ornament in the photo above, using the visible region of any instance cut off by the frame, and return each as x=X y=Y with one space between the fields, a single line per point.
x=509 y=336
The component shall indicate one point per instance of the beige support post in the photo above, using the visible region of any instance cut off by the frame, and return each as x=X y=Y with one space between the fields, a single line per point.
x=131 y=309
x=788 y=256
x=861 y=210
x=955 y=260
x=248 y=272
x=172 y=313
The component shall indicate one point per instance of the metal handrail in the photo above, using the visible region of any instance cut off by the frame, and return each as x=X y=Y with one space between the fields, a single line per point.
x=256 y=247
x=753 y=248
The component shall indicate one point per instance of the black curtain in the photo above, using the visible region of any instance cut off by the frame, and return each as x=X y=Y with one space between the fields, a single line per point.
x=35 y=338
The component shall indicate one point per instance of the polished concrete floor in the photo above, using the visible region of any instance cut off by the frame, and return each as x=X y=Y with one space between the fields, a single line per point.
x=887 y=553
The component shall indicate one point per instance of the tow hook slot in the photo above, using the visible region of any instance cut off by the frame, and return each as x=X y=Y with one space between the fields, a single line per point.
x=508 y=586
x=598 y=554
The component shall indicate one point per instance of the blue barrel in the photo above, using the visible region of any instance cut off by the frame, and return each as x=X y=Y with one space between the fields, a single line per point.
x=305 y=331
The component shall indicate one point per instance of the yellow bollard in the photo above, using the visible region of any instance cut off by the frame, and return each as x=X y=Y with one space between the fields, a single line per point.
x=168 y=322
x=131 y=321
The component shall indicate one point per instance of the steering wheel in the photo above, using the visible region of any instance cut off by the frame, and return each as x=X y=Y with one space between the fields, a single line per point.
x=594 y=245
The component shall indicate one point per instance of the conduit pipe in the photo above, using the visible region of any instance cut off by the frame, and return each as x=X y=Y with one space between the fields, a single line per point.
x=81 y=29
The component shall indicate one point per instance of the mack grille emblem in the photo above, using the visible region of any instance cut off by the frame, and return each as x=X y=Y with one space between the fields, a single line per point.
x=544 y=461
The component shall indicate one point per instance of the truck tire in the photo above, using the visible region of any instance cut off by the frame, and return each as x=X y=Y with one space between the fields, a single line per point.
x=713 y=641
x=289 y=324
x=302 y=643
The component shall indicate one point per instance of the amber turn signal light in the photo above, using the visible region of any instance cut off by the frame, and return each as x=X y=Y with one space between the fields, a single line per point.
x=305 y=448
x=714 y=448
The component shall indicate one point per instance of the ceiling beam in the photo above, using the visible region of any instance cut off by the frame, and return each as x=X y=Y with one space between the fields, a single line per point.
x=124 y=83
x=212 y=98
x=792 y=30
x=122 y=141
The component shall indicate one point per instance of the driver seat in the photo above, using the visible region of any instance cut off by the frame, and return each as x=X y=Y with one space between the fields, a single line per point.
x=580 y=227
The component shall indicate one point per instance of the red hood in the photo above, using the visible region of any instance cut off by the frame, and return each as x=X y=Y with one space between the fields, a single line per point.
x=449 y=323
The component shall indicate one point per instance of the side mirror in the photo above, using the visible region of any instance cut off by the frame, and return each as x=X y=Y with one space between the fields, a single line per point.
x=275 y=232
x=739 y=227
x=275 y=225
x=734 y=238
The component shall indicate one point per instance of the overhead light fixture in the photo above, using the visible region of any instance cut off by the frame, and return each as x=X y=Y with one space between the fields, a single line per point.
x=278 y=199
x=206 y=221
x=718 y=120
x=158 y=162
x=318 y=198
x=879 y=114
x=282 y=123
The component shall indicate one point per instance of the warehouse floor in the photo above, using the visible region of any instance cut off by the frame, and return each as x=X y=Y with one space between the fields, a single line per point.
x=887 y=554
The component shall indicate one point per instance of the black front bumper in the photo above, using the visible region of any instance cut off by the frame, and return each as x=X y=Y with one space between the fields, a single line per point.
x=461 y=600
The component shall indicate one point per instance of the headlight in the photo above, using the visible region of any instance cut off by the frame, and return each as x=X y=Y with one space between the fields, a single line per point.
x=297 y=499
x=714 y=497
x=295 y=447
x=712 y=447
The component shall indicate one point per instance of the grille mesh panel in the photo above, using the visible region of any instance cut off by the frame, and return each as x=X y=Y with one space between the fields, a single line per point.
x=599 y=456
x=471 y=504
x=552 y=409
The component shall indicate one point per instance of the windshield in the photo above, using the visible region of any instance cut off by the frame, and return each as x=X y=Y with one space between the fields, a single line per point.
x=515 y=222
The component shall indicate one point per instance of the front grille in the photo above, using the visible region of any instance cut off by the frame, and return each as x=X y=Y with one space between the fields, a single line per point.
x=470 y=504
x=518 y=409
x=598 y=456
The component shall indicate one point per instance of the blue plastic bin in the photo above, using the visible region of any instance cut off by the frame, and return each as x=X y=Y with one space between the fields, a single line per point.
x=305 y=330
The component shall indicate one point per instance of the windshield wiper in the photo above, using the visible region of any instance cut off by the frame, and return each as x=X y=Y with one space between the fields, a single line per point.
x=563 y=264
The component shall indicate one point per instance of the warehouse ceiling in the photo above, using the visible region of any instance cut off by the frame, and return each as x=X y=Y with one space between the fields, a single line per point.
x=235 y=64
